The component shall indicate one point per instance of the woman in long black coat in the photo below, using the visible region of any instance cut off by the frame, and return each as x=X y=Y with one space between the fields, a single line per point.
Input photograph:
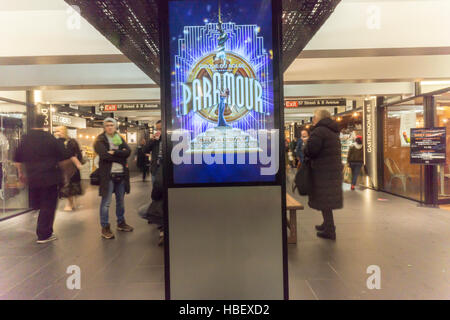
x=324 y=149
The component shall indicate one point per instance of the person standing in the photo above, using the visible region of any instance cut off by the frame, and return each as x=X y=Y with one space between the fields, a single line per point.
x=324 y=149
x=142 y=161
x=299 y=152
x=113 y=152
x=355 y=159
x=73 y=152
x=39 y=152
x=153 y=147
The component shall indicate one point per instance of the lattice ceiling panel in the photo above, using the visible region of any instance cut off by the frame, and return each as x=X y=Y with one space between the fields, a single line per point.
x=132 y=26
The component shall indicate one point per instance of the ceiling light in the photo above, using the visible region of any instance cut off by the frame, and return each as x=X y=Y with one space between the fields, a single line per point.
x=432 y=83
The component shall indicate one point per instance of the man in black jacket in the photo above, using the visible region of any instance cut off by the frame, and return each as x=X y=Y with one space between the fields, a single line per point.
x=324 y=149
x=113 y=152
x=40 y=153
x=153 y=147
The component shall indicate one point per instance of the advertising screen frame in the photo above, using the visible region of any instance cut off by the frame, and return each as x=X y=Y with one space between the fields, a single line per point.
x=166 y=99
x=166 y=107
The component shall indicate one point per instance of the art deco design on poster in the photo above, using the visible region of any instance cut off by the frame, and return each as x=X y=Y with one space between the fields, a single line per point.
x=222 y=94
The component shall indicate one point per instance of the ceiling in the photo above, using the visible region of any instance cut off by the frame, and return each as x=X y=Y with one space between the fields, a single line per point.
x=132 y=26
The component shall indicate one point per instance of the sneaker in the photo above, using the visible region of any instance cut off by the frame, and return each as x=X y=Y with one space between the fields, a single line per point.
x=352 y=187
x=49 y=239
x=124 y=227
x=106 y=233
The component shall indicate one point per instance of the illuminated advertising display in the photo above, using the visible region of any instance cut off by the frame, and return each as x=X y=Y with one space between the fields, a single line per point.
x=222 y=92
x=428 y=145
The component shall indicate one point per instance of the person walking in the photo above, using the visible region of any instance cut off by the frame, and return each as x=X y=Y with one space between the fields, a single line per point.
x=355 y=159
x=40 y=153
x=113 y=152
x=153 y=148
x=73 y=152
x=324 y=149
x=142 y=161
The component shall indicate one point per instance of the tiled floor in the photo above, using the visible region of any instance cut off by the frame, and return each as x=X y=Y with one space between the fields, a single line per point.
x=128 y=267
x=410 y=244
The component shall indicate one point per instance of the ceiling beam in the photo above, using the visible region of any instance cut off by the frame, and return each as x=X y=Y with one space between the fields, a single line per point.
x=373 y=52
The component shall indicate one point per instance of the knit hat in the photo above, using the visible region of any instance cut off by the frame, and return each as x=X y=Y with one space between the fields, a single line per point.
x=110 y=120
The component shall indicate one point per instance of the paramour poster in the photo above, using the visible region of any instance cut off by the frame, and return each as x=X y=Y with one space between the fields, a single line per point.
x=222 y=92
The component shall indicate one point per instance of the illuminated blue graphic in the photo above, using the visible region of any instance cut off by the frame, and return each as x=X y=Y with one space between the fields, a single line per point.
x=221 y=83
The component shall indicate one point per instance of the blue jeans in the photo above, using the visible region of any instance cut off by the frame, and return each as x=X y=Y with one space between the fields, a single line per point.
x=119 y=189
x=356 y=168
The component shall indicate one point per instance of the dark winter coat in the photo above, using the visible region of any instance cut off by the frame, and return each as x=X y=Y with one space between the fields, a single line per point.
x=355 y=155
x=324 y=150
x=142 y=159
x=153 y=148
x=101 y=147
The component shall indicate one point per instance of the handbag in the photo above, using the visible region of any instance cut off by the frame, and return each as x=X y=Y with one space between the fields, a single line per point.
x=303 y=178
x=347 y=174
x=95 y=178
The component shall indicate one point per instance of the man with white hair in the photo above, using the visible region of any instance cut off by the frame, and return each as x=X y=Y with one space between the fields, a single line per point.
x=113 y=152
x=324 y=149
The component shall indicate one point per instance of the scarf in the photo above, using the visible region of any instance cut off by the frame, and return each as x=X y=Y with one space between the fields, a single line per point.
x=117 y=140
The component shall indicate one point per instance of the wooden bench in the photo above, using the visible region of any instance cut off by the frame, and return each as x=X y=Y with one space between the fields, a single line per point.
x=292 y=206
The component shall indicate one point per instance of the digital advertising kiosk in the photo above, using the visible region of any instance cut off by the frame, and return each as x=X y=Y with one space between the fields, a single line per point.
x=223 y=149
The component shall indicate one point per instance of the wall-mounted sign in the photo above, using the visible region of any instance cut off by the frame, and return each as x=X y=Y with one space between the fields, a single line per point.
x=68 y=121
x=291 y=104
x=128 y=107
x=322 y=102
x=222 y=88
x=369 y=126
x=428 y=146
x=315 y=103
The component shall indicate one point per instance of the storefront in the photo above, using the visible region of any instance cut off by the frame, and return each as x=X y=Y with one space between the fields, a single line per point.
x=426 y=183
x=13 y=192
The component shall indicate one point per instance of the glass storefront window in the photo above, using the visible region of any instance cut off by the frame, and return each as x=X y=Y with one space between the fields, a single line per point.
x=442 y=112
x=13 y=193
x=400 y=176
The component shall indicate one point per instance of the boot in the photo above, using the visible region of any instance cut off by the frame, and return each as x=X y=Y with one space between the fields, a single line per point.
x=328 y=233
x=320 y=227
x=106 y=232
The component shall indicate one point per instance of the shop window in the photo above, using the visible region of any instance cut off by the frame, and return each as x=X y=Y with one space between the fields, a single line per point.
x=400 y=176
x=442 y=112
x=13 y=192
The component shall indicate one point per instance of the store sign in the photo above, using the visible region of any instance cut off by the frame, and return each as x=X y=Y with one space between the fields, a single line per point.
x=46 y=111
x=428 y=146
x=127 y=107
x=369 y=140
x=221 y=64
x=68 y=121
x=291 y=104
